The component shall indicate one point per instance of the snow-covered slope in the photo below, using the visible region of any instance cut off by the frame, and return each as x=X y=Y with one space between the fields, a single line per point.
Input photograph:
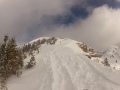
x=113 y=56
x=64 y=66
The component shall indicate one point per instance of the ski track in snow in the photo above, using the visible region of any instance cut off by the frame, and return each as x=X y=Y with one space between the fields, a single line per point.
x=68 y=73
x=60 y=68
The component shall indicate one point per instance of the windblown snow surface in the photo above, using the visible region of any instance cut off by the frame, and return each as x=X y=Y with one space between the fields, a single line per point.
x=64 y=66
x=113 y=55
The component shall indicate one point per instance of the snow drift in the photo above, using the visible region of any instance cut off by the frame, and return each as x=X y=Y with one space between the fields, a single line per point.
x=65 y=66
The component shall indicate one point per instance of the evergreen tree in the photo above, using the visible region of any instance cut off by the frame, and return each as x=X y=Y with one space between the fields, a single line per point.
x=106 y=63
x=11 y=58
x=32 y=62
x=38 y=43
x=43 y=41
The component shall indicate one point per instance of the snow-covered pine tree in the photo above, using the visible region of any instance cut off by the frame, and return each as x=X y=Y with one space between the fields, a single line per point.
x=106 y=63
x=11 y=58
x=32 y=62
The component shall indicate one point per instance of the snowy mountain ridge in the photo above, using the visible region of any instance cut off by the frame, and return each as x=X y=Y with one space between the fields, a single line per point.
x=112 y=51
x=113 y=55
x=65 y=64
x=66 y=42
x=82 y=48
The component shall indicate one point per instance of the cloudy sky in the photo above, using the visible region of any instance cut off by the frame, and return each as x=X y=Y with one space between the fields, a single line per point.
x=95 y=22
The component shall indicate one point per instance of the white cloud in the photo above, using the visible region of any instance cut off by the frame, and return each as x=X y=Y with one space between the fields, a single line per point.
x=118 y=0
x=99 y=30
x=17 y=17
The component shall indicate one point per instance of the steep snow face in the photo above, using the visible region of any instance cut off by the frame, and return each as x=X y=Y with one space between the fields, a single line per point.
x=113 y=56
x=64 y=66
